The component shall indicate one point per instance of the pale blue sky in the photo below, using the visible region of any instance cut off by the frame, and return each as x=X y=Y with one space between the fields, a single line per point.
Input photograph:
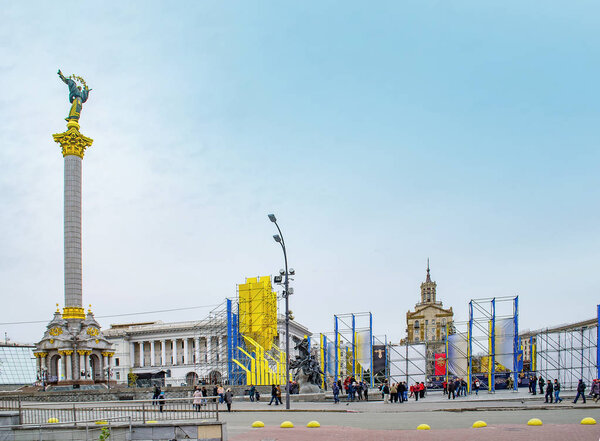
x=380 y=134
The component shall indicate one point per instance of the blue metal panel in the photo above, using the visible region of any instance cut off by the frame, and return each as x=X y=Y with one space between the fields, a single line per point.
x=493 y=337
x=516 y=346
x=353 y=347
x=371 y=349
x=469 y=343
x=337 y=349
x=598 y=345
x=229 y=342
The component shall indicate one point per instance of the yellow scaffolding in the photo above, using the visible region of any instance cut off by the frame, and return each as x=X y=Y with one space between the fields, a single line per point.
x=258 y=310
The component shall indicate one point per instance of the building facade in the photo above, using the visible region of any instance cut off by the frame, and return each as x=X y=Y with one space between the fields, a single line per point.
x=180 y=353
x=429 y=320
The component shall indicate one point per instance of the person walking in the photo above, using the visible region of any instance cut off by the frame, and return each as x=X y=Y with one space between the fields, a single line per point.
x=580 y=391
x=228 y=397
x=156 y=395
x=557 y=398
x=541 y=383
x=221 y=393
x=549 y=391
x=204 y=395
x=534 y=384
x=386 y=393
x=365 y=387
x=401 y=390
x=451 y=390
x=595 y=390
x=161 y=401
x=278 y=392
x=445 y=387
x=215 y=393
x=476 y=385
x=422 y=390
x=274 y=395
x=393 y=393
x=197 y=399
x=252 y=392
x=336 y=393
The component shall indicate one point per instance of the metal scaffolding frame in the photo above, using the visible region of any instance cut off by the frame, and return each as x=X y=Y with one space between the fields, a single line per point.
x=569 y=354
x=486 y=328
x=353 y=334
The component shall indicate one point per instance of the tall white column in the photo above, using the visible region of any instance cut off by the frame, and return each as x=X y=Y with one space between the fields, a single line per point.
x=86 y=363
x=69 y=374
x=197 y=350
x=152 y=354
x=104 y=366
x=72 y=212
x=163 y=353
x=81 y=373
x=141 y=354
x=174 y=351
x=209 y=355
x=132 y=354
x=186 y=359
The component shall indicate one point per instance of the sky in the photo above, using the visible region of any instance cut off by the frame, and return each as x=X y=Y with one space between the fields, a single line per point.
x=379 y=134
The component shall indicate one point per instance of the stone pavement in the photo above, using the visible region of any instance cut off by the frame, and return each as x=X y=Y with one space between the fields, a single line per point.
x=556 y=432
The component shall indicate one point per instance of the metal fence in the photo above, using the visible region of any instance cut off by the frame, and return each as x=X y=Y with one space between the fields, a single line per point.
x=141 y=410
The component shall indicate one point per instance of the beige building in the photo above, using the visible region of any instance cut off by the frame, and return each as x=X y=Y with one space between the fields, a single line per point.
x=427 y=323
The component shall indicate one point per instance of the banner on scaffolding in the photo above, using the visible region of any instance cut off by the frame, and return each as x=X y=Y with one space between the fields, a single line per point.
x=258 y=310
x=440 y=364
x=457 y=354
x=408 y=363
x=504 y=344
x=379 y=357
x=363 y=349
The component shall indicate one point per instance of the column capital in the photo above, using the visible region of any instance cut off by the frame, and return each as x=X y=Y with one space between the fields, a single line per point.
x=40 y=354
x=83 y=352
x=72 y=142
x=108 y=354
x=65 y=352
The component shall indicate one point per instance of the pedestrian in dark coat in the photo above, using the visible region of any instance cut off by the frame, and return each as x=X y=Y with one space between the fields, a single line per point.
x=541 y=382
x=228 y=397
x=580 y=391
x=451 y=390
x=549 y=391
x=534 y=384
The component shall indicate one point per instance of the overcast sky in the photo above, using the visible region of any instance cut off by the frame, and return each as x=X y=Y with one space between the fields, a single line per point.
x=380 y=134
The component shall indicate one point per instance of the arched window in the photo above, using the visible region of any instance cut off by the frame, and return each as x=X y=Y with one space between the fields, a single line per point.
x=416 y=326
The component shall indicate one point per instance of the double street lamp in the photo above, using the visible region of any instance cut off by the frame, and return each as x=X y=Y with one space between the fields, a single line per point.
x=286 y=294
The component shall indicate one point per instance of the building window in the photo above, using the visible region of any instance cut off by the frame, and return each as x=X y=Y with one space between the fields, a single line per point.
x=443 y=324
x=433 y=321
x=118 y=375
x=117 y=363
x=416 y=326
x=416 y=339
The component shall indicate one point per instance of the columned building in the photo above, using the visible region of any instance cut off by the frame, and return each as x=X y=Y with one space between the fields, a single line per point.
x=427 y=323
x=180 y=353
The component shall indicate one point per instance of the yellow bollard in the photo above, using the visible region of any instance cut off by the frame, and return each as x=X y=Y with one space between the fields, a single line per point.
x=53 y=420
x=258 y=424
x=588 y=421
x=423 y=427
x=534 y=422
x=101 y=422
x=478 y=424
x=151 y=422
x=313 y=424
x=287 y=425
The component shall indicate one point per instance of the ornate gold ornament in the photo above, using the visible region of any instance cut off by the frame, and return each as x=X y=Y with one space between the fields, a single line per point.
x=56 y=331
x=72 y=142
x=92 y=331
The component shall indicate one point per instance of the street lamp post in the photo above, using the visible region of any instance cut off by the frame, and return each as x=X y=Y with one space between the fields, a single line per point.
x=286 y=294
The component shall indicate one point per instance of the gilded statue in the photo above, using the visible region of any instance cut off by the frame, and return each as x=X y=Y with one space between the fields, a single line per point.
x=77 y=95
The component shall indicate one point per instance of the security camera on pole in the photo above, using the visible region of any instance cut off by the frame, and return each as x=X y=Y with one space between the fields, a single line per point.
x=287 y=291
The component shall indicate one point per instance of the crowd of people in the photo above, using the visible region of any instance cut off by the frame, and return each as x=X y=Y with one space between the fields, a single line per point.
x=354 y=390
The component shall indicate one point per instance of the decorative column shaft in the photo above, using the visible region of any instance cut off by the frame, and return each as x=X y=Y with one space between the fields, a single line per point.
x=152 y=353
x=163 y=353
x=174 y=351
x=73 y=146
x=185 y=351
x=197 y=350
x=141 y=354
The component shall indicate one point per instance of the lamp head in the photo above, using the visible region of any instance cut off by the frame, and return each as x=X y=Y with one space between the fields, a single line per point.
x=292 y=271
x=281 y=272
x=272 y=218
x=277 y=238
